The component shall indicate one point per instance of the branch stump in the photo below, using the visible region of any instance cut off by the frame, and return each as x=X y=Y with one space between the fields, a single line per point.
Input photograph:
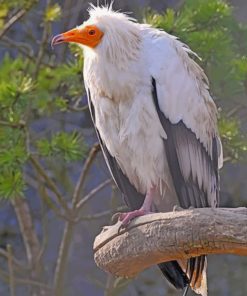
x=162 y=237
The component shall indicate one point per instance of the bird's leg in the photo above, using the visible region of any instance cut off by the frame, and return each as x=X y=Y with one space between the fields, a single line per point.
x=125 y=218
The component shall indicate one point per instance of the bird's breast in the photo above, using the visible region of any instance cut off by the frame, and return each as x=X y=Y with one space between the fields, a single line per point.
x=109 y=81
x=133 y=135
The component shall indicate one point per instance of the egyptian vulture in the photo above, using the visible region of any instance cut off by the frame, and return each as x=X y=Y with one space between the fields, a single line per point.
x=155 y=120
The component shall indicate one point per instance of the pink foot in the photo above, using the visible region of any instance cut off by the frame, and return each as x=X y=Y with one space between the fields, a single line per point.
x=125 y=218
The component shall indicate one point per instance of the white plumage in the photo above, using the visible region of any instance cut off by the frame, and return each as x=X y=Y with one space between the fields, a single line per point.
x=154 y=116
x=120 y=87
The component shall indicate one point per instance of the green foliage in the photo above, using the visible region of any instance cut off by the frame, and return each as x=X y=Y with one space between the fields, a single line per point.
x=234 y=142
x=14 y=92
x=55 y=86
x=13 y=158
x=165 y=21
x=11 y=184
x=7 y=5
x=240 y=65
x=68 y=146
x=24 y=99
x=210 y=29
x=28 y=92
x=3 y=14
x=52 y=13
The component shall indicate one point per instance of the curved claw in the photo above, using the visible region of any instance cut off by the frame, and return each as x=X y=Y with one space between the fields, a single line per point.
x=126 y=218
x=122 y=227
x=115 y=217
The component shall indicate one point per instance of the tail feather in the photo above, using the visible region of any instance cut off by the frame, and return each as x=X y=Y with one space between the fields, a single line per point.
x=183 y=274
x=199 y=285
x=174 y=274
x=195 y=269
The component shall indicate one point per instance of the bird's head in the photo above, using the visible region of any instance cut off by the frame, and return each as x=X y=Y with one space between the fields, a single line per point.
x=108 y=33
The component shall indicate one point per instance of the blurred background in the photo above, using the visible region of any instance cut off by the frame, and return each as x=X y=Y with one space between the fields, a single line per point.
x=55 y=190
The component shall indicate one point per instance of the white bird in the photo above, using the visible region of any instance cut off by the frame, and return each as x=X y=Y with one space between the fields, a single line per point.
x=155 y=120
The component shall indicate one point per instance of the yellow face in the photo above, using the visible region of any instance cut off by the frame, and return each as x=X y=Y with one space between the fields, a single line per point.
x=89 y=35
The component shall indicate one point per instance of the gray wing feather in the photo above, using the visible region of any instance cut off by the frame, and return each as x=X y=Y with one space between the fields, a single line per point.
x=194 y=172
x=131 y=196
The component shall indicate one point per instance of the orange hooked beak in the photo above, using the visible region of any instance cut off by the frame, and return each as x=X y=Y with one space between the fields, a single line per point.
x=89 y=35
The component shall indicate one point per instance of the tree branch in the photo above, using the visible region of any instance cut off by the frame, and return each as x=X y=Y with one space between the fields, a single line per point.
x=23 y=281
x=87 y=165
x=23 y=48
x=13 y=125
x=62 y=258
x=16 y=17
x=69 y=226
x=18 y=265
x=50 y=183
x=43 y=43
x=11 y=271
x=30 y=240
x=92 y=193
x=162 y=237
x=29 y=236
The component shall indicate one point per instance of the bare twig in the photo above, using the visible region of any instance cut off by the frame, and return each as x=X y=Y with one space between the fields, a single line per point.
x=11 y=271
x=234 y=110
x=20 y=124
x=29 y=236
x=62 y=258
x=24 y=48
x=40 y=55
x=43 y=44
x=44 y=192
x=17 y=264
x=92 y=193
x=21 y=46
x=47 y=200
x=100 y=215
x=114 y=285
x=5 y=276
x=91 y=156
x=227 y=159
x=40 y=170
x=16 y=17
x=70 y=15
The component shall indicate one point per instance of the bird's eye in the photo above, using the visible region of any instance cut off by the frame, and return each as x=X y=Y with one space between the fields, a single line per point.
x=91 y=32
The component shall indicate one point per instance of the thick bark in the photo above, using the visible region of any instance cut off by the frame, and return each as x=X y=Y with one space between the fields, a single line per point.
x=29 y=235
x=31 y=242
x=162 y=237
